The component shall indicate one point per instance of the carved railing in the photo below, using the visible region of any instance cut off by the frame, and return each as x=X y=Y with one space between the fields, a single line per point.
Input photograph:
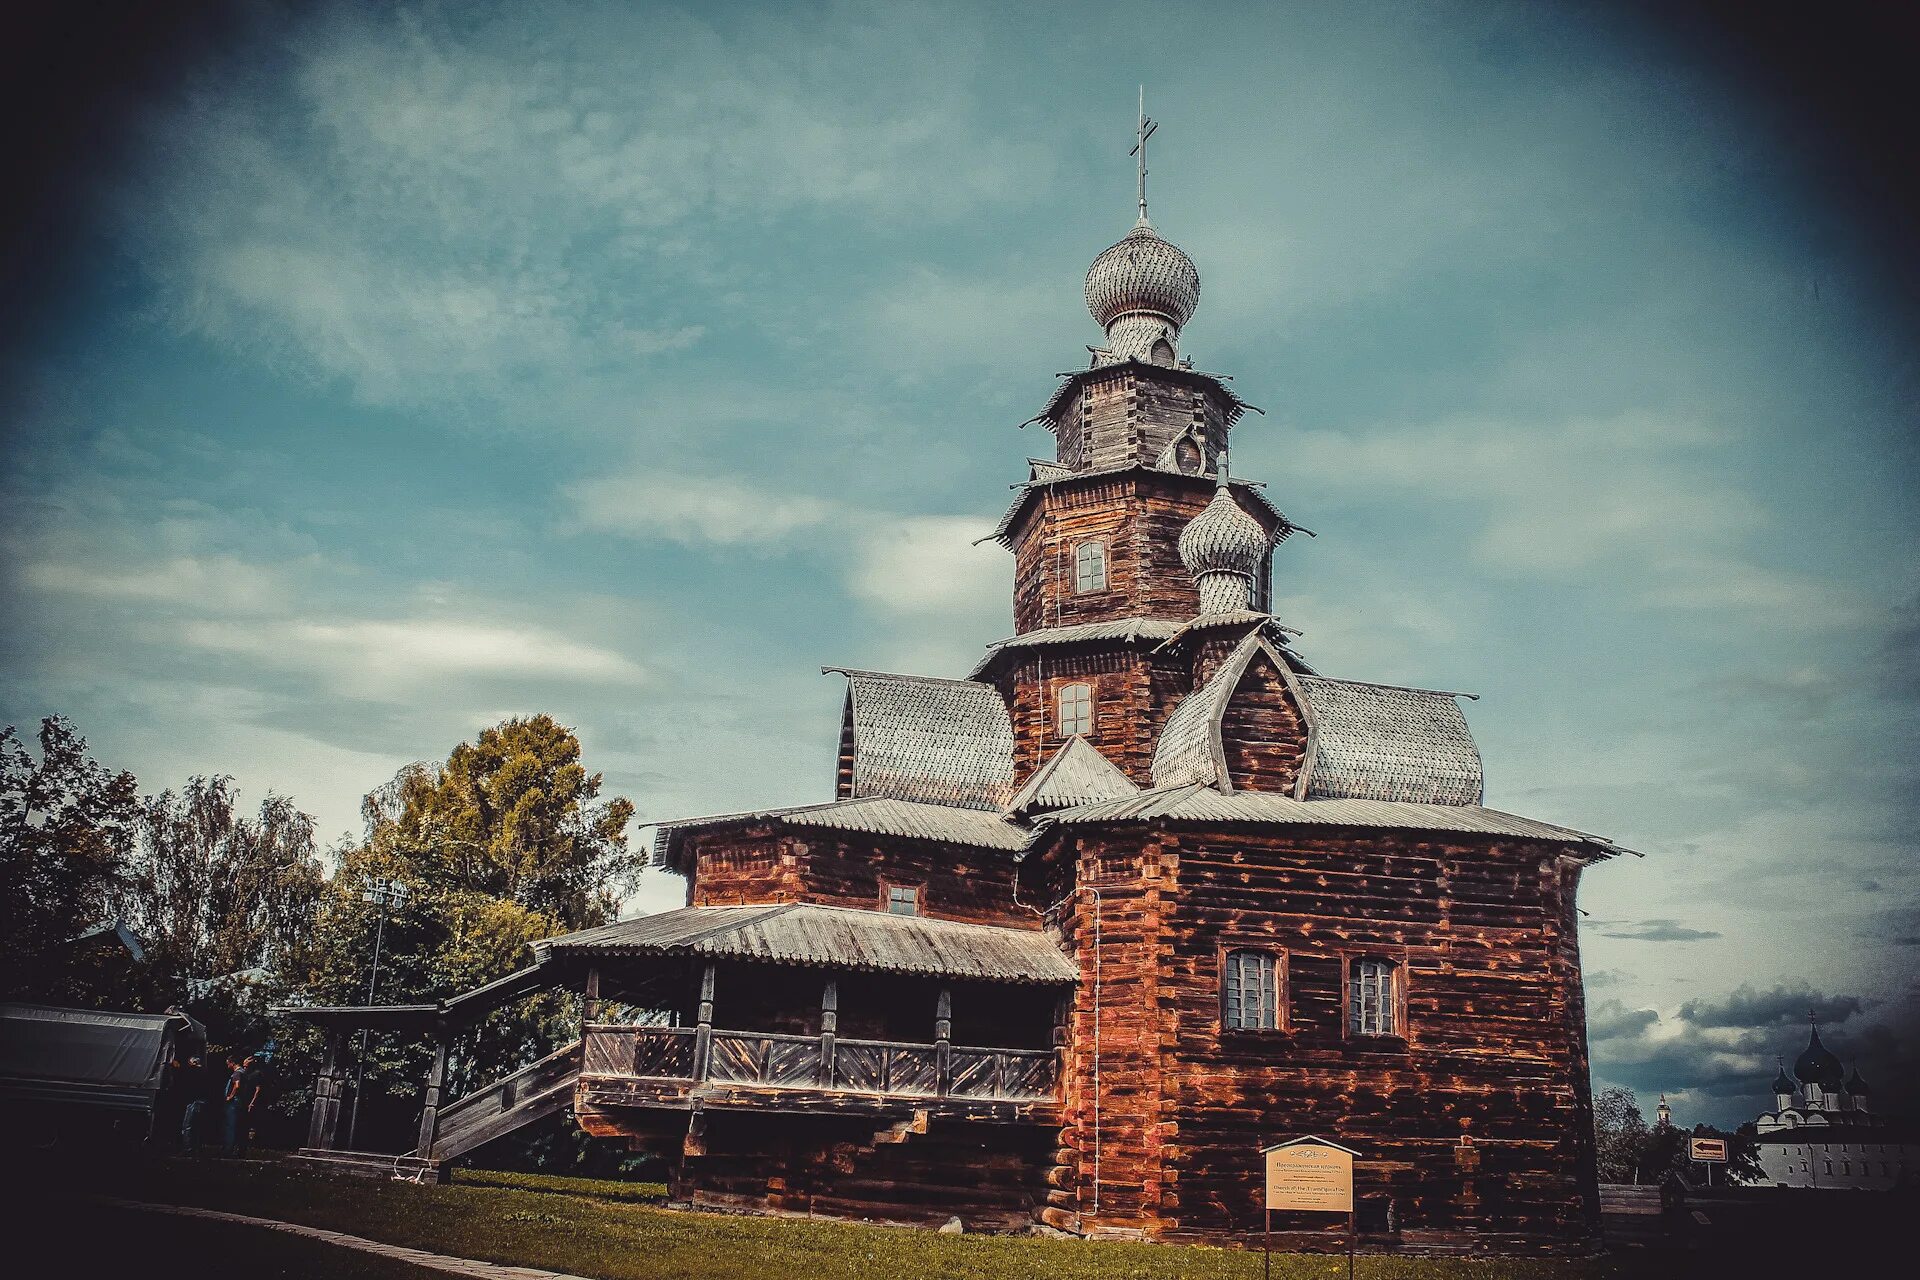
x=826 y=1062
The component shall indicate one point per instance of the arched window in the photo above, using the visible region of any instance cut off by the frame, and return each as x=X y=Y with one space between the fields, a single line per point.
x=1089 y=567
x=1076 y=709
x=1373 y=998
x=1250 y=991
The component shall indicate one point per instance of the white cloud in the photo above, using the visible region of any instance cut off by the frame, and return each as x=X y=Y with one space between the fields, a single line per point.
x=383 y=653
x=222 y=583
x=696 y=510
x=927 y=567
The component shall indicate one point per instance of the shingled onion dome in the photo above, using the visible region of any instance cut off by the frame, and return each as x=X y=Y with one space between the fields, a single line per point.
x=1142 y=291
x=1818 y=1065
x=1223 y=548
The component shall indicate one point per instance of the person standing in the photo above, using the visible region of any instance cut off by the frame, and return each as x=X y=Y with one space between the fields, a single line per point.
x=193 y=1085
x=232 y=1100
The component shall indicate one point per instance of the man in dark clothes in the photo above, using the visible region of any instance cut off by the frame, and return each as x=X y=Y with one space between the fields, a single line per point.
x=237 y=1098
x=191 y=1079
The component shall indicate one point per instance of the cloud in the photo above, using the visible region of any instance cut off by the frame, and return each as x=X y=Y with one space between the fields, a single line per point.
x=1781 y=1006
x=383 y=652
x=222 y=583
x=1612 y=1020
x=1660 y=930
x=927 y=567
x=697 y=510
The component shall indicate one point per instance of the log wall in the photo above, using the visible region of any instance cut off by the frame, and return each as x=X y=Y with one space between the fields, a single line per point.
x=1474 y=1120
x=1263 y=731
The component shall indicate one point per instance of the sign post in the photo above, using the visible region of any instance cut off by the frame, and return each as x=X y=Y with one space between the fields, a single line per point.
x=1707 y=1151
x=1309 y=1175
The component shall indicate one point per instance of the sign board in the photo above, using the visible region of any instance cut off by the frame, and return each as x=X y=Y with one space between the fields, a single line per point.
x=1310 y=1174
x=1707 y=1150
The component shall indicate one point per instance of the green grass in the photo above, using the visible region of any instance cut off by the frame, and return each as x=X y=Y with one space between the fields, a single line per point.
x=598 y=1188
x=604 y=1230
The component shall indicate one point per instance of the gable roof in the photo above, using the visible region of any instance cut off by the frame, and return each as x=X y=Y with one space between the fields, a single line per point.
x=877 y=816
x=1202 y=804
x=1075 y=774
x=1190 y=747
x=928 y=740
x=1383 y=742
x=804 y=933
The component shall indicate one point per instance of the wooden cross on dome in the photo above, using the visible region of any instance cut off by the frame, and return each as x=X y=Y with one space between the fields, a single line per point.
x=1142 y=133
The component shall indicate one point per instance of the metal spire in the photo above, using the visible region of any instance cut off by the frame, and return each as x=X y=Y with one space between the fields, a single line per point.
x=1142 y=133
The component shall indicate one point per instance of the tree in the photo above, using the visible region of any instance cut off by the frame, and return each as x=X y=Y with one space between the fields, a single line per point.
x=1620 y=1133
x=66 y=825
x=506 y=843
x=214 y=892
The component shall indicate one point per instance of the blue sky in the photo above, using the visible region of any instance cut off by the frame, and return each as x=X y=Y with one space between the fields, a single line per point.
x=430 y=364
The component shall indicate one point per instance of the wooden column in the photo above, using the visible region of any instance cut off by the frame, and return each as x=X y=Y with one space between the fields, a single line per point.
x=430 y=1105
x=703 y=1027
x=943 y=1037
x=590 y=1009
x=829 y=1029
x=323 y=1131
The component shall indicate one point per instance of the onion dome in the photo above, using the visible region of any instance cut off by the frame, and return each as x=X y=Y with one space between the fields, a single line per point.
x=1817 y=1064
x=1781 y=1082
x=1856 y=1086
x=1142 y=291
x=1223 y=548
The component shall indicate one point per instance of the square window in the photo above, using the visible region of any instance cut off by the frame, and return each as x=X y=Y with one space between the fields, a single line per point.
x=903 y=899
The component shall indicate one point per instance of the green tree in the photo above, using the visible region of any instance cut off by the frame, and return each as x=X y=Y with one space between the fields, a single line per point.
x=214 y=892
x=66 y=826
x=506 y=843
x=1620 y=1132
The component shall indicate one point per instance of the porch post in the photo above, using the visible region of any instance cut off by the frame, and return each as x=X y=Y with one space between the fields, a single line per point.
x=829 y=1029
x=590 y=1008
x=943 y=1037
x=703 y=1030
x=430 y=1105
x=324 y=1128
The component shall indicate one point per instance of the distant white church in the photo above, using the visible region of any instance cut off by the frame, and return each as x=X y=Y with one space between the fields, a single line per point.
x=1825 y=1134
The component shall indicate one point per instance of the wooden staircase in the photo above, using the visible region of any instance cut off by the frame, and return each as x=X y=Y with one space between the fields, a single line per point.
x=531 y=1093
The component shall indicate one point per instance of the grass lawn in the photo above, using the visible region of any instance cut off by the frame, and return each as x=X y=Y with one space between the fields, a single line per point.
x=610 y=1231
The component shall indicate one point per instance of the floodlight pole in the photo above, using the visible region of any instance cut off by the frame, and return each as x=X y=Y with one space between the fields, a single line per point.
x=383 y=893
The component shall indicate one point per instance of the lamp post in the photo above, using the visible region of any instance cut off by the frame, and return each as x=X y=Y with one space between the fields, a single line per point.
x=385 y=894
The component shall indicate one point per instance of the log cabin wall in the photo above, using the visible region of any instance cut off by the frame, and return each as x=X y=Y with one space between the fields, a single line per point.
x=956 y=882
x=1124 y=709
x=1130 y=414
x=1263 y=731
x=992 y=1177
x=1492 y=1044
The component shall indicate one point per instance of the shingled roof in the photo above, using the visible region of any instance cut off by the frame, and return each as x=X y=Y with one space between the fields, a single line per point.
x=1129 y=630
x=1201 y=804
x=1075 y=774
x=878 y=815
x=804 y=933
x=923 y=739
x=1190 y=747
x=1382 y=742
x=1043 y=479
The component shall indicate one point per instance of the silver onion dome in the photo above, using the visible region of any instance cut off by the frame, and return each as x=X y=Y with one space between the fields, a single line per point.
x=1141 y=290
x=1223 y=548
x=1223 y=539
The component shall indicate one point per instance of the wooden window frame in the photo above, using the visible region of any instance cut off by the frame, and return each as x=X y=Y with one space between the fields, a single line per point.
x=1106 y=579
x=1282 y=1021
x=1398 y=960
x=1060 y=709
x=919 y=897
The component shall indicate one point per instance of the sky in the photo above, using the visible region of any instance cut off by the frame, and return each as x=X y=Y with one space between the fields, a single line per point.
x=395 y=370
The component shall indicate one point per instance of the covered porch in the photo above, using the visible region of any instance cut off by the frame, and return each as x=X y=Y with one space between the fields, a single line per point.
x=806 y=1009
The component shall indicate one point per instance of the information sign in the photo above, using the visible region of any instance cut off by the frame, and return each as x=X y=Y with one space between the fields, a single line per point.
x=1310 y=1175
x=1707 y=1150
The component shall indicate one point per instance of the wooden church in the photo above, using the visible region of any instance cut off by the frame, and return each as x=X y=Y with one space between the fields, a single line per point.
x=1082 y=931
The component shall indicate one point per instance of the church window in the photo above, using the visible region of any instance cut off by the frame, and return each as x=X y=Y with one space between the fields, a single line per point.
x=1372 y=999
x=903 y=899
x=1829 y=1165
x=1250 y=991
x=1089 y=567
x=1076 y=709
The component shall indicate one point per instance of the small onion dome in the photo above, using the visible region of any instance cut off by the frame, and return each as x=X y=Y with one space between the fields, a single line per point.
x=1223 y=539
x=1817 y=1065
x=1856 y=1086
x=1143 y=273
x=1781 y=1084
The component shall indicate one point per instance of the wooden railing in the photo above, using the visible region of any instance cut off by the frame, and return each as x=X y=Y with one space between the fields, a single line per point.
x=883 y=1067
